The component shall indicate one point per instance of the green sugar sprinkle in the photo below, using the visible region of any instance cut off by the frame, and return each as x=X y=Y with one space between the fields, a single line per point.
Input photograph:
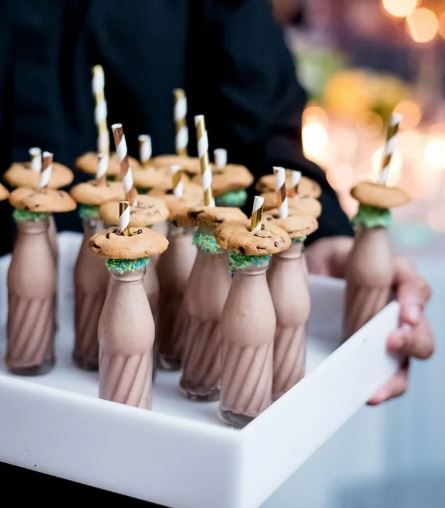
x=372 y=217
x=299 y=239
x=238 y=261
x=206 y=241
x=24 y=215
x=126 y=265
x=233 y=198
x=88 y=212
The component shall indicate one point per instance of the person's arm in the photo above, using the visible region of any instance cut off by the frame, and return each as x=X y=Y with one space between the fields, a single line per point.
x=244 y=80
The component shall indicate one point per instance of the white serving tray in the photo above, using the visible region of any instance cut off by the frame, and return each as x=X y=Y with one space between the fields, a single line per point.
x=179 y=454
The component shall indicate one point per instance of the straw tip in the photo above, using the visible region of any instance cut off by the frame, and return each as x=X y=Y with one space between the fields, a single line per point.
x=116 y=126
x=258 y=200
x=46 y=154
x=143 y=137
x=278 y=169
x=198 y=119
x=396 y=118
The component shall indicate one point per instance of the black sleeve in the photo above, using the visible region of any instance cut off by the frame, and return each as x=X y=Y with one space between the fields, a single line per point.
x=244 y=79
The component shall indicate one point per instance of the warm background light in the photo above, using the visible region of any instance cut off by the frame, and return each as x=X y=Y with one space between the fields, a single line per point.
x=442 y=25
x=314 y=133
x=399 y=8
x=411 y=114
x=423 y=25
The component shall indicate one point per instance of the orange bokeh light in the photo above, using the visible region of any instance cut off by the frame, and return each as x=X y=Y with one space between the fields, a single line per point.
x=442 y=25
x=399 y=8
x=423 y=25
x=410 y=112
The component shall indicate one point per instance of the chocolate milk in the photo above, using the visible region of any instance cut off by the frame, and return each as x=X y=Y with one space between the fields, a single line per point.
x=151 y=284
x=31 y=301
x=126 y=335
x=248 y=326
x=90 y=288
x=52 y=236
x=369 y=275
x=204 y=299
x=287 y=279
x=174 y=269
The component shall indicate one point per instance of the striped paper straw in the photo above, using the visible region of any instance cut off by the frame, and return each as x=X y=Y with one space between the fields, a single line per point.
x=257 y=214
x=280 y=186
x=47 y=168
x=295 y=178
x=180 y=115
x=36 y=159
x=122 y=154
x=390 y=144
x=145 y=149
x=203 y=154
x=102 y=167
x=124 y=218
x=178 y=182
x=220 y=158
x=100 y=110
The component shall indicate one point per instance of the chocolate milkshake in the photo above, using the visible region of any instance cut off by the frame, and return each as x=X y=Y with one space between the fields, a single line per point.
x=90 y=275
x=248 y=321
x=369 y=271
x=126 y=326
x=32 y=282
x=201 y=359
x=145 y=212
x=287 y=278
x=173 y=270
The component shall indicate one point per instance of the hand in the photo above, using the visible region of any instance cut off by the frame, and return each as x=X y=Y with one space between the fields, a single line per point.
x=413 y=337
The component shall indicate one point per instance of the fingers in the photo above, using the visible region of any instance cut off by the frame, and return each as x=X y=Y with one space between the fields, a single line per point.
x=412 y=292
x=395 y=387
x=414 y=341
x=327 y=256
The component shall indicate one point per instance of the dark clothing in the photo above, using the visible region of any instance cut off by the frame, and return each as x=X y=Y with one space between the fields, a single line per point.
x=229 y=55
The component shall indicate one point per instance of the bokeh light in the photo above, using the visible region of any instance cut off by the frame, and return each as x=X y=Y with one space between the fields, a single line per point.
x=411 y=114
x=423 y=25
x=315 y=133
x=434 y=153
x=442 y=25
x=399 y=8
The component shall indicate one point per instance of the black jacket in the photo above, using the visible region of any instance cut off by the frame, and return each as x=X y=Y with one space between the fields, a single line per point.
x=229 y=55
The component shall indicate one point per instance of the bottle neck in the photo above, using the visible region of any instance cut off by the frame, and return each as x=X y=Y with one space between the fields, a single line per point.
x=131 y=276
x=295 y=251
x=33 y=227
x=91 y=226
x=253 y=270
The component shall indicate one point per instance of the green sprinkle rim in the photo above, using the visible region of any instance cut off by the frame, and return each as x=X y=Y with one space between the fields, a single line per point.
x=126 y=265
x=239 y=261
x=206 y=241
x=372 y=217
x=26 y=215
x=235 y=198
x=88 y=212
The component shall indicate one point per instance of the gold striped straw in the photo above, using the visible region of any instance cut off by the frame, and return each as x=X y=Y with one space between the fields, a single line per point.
x=122 y=154
x=124 y=218
x=390 y=144
x=180 y=116
x=178 y=182
x=257 y=214
x=203 y=154
x=280 y=186
x=100 y=110
x=295 y=178
x=101 y=170
x=220 y=159
x=145 y=149
x=47 y=168
x=36 y=159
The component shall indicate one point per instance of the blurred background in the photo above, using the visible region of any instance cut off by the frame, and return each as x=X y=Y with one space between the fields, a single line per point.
x=359 y=60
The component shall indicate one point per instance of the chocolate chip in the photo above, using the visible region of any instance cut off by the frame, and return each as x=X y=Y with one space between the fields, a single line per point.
x=242 y=250
x=107 y=236
x=139 y=231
